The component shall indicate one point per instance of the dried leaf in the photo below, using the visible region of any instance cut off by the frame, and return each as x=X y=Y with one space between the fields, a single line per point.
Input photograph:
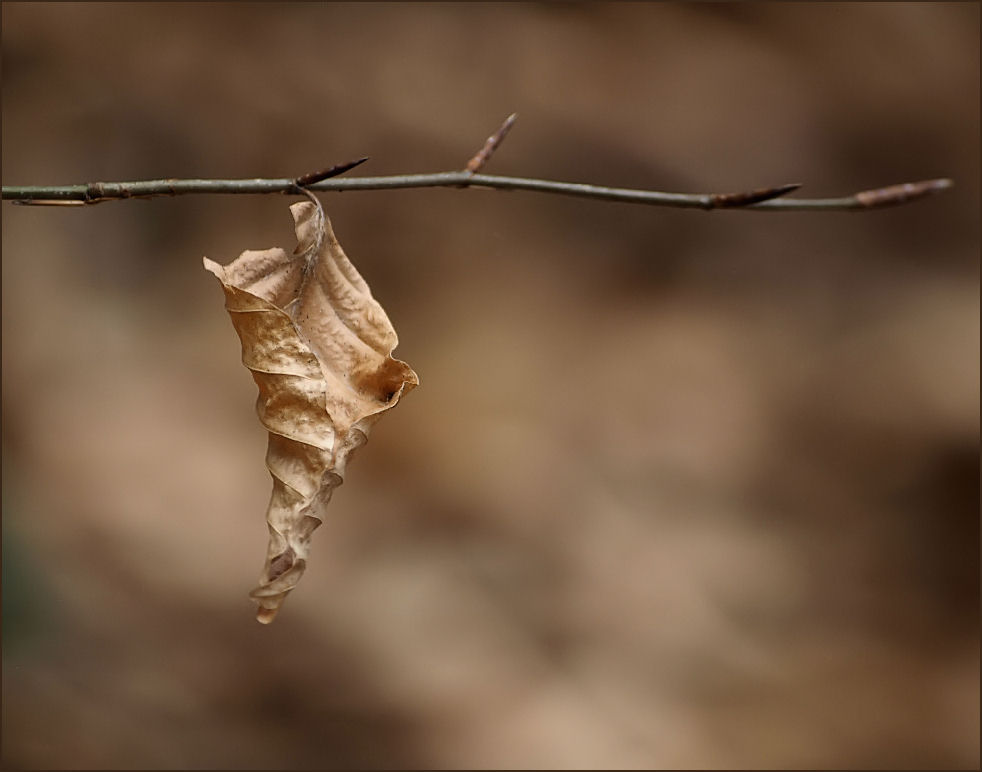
x=319 y=347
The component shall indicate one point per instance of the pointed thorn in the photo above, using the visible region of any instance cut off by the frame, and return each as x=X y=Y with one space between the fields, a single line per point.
x=334 y=171
x=733 y=200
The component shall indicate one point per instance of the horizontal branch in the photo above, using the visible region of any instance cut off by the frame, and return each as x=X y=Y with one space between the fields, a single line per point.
x=765 y=199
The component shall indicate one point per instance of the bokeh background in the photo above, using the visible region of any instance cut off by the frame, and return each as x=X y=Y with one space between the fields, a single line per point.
x=678 y=489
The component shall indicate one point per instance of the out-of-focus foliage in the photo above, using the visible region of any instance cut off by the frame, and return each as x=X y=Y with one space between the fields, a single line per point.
x=682 y=488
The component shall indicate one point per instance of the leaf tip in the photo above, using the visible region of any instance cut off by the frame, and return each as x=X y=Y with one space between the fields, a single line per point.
x=213 y=267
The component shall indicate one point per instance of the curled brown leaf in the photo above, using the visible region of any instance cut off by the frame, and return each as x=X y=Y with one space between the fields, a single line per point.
x=319 y=347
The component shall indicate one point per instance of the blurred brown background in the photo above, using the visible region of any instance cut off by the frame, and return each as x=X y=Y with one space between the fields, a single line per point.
x=678 y=489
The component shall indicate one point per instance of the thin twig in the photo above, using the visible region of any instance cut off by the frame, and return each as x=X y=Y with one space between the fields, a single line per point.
x=97 y=192
x=482 y=156
x=764 y=199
